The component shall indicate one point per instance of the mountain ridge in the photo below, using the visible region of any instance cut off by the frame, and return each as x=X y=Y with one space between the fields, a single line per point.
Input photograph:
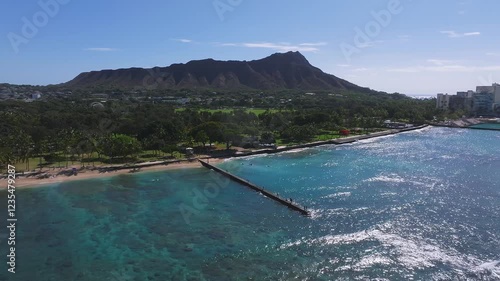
x=289 y=70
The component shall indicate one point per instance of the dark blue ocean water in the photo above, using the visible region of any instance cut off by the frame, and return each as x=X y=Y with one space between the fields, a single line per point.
x=422 y=205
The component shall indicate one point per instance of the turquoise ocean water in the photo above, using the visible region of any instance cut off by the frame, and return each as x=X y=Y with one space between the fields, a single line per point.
x=490 y=126
x=422 y=205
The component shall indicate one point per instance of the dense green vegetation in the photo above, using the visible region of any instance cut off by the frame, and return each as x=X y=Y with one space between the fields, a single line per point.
x=70 y=129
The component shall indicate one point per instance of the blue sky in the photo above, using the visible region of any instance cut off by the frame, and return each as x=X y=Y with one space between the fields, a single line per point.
x=413 y=47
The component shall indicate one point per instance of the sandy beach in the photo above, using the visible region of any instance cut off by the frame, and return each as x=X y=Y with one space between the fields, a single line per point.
x=159 y=166
x=32 y=182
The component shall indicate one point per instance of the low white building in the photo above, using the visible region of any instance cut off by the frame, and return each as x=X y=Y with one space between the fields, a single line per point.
x=36 y=96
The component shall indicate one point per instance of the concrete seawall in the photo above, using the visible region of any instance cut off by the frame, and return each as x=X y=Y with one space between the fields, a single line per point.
x=466 y=127
x=333 y=141
x=288 y=203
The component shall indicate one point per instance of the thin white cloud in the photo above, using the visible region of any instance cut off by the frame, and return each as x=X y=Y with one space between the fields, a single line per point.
x=454 y=34
x=445 y=68
x=183 y=40
x=439 y=62
x=361 y=69
x=439 y=65
x=369 y=44
x=404 y=37
x=462 y=13
x=228 y=44
x=101 y=49
x=314 y=44
x=343 y=65
x=493 y=54
x=281 y=47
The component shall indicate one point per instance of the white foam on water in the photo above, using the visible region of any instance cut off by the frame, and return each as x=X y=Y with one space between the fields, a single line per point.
x=389 y=194
x=251 y=157
x=371 y=260
x=414 y=253
x=330 y=164
x=338 y=194
x=421 y=182
x=448 y=157
x=493 y=267
x=296 y=150
x=315 y=213
x=329 y=212
x=423 y=130
x=374 y=139
x=392 y=178
x=334 y=187
x=360 y=209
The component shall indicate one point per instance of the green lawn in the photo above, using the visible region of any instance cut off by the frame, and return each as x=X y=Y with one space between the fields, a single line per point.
x=35 y=161
x=145 y=156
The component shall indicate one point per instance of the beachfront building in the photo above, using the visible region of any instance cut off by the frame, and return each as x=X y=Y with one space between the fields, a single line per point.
x=443 y=101
x=484 y=101
x=497 y=92
x=493 y=89
x=496 y=98
x=457 y=102
x=467 y=99
x=488 y=100
x=469 y=94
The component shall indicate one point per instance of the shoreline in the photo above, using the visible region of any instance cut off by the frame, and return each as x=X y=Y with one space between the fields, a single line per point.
x=468 y=123
x=467 y=127
x=339 y=141
x=27 y=182
x=110 y=171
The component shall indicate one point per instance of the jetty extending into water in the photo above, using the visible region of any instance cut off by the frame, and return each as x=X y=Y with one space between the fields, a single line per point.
x=138 y=166
x=287 y=202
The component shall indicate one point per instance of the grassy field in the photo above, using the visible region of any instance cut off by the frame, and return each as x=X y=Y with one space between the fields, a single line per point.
x=144 y=156
x=34 y=162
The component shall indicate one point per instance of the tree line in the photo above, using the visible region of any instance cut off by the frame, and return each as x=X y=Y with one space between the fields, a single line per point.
x=72 y=129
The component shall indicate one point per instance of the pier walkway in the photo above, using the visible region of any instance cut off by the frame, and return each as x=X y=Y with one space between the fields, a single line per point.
x=290 y=204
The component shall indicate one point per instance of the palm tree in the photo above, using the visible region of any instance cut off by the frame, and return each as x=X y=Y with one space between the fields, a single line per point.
x=40 y=149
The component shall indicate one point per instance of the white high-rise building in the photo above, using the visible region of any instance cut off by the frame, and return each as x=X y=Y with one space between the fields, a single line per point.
x=496 y=90
x=443 y=101
x=493 y=89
